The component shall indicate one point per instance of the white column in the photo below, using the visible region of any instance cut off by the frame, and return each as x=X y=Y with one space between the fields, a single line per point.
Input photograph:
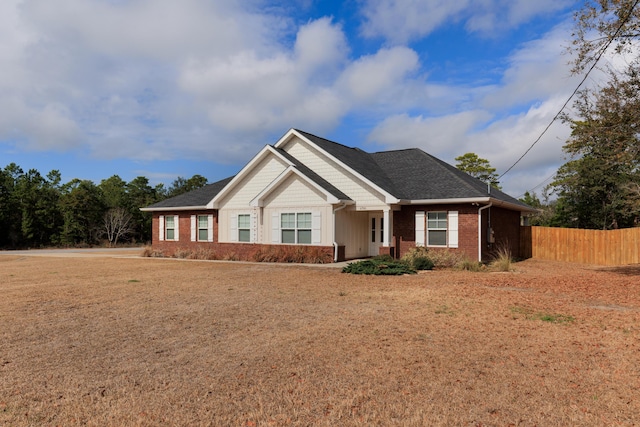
x=387 y=227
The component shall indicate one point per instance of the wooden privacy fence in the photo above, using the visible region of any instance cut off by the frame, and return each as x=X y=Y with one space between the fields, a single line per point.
x=603 y=247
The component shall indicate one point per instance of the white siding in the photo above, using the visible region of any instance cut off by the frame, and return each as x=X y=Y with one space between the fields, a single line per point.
x=352 y=231
x=256 y=180
x=360 y=192
x=295 y=192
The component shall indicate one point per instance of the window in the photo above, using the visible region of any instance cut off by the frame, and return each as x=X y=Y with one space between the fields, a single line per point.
x=295 y=228
x=203 y=228
x=437 y=229
x=244 y=228
x=170 y=228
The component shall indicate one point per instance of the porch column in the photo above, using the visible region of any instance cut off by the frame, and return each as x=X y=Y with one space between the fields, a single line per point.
x=388 y=222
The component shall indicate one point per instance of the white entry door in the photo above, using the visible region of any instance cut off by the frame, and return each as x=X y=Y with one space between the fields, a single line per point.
x=376 y=233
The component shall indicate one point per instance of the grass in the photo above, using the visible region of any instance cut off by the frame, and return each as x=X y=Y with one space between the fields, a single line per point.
x=264 y=345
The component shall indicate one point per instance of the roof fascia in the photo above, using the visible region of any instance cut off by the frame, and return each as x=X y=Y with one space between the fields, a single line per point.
x=174 y=208
x=484 y=200
x=258 y=201
x=266 y=150
x=389 y=198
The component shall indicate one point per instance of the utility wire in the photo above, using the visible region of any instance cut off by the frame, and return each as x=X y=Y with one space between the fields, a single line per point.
x=602 y=51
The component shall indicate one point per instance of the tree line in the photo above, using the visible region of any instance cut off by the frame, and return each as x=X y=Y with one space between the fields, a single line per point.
x=42 y=211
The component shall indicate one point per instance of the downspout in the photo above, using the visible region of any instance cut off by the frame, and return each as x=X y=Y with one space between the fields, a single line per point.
x=335 y=244
x=480 y=230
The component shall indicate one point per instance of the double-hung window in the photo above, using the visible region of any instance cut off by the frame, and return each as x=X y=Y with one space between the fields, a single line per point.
x=436 y=228
x=203 y=228
x=295 y=228
x=244 y=228
x=170 y=227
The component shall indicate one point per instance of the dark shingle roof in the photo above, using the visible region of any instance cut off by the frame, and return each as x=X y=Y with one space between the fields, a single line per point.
x=420 y=176
x=412 y=174
x=197 y=197
x=358 y=160
x=409 y=174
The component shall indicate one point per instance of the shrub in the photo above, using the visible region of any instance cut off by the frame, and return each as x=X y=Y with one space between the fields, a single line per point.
x=378 y=267
x=502 y=261
x=468 y=265
x=149 y=252
x=422 y=263
x=444 y=258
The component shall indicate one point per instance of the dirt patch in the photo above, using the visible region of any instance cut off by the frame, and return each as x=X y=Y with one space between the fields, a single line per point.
x=98 y=341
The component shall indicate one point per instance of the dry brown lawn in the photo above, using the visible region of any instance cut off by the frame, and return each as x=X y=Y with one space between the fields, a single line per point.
x=112 y=341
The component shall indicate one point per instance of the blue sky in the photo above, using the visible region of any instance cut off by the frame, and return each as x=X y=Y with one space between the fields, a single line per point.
x=162 y=89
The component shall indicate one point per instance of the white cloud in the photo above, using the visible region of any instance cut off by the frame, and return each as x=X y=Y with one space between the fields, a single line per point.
x=369 y=77
x=400 y=21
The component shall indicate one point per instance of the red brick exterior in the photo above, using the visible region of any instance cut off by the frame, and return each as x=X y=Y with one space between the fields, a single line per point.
x=505 y=223
x=230 y=251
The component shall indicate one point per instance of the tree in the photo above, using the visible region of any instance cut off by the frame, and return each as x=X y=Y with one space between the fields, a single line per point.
x=117 y=223
x=82 y=209
x=141 y=194
x=613 y=21
x=597 y=186
x=479 y=168
x=10 y=212
x=182 y=185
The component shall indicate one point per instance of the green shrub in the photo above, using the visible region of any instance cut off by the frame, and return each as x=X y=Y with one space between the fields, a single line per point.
x=422 y=263
x=378 y=267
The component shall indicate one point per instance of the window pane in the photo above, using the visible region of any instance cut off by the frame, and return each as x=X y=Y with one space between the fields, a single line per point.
x=244 y=236
x=304 y=220
x=244 y=221
x=170 y=234
x=304 y=236
x=288 y=220
x=169 y=222
x=288 y=236
x=437 y=237
x=437 y=220
x=203 y=234
x=203 y=221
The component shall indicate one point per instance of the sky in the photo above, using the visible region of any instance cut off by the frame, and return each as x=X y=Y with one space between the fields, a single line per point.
x=165 y=88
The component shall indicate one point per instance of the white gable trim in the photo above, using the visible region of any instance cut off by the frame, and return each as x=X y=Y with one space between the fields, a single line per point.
x=266 y=151
x=258 y=201
x=389 y=198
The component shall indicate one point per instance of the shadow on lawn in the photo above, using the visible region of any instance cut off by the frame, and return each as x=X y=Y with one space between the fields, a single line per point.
x=625 y=270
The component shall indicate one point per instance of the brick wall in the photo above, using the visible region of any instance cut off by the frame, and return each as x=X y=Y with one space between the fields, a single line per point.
x=505 y=224
x=405 y=234
x=231 y=251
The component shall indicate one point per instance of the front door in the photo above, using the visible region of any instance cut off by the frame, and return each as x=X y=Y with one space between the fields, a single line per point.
x=376 y=233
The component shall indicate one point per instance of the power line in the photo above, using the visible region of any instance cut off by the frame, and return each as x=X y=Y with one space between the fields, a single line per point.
x=597 y=59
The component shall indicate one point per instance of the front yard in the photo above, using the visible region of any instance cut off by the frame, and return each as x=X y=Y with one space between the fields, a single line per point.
x=105 y=341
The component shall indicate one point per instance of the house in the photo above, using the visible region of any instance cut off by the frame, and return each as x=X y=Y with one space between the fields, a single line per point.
x=313 y=194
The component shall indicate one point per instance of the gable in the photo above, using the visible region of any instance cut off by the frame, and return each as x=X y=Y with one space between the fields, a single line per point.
x=294 y=192
x=252 y=182
x=363 y=193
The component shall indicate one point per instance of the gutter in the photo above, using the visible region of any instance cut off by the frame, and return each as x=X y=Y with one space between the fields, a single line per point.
x=335 y=244
x=174 y=208
x=480 y=230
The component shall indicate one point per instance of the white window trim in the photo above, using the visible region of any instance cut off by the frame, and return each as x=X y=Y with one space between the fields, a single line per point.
x=422 y=230
x=195 y=229
x=446 y=228
x=176 y=228
x=316 y=226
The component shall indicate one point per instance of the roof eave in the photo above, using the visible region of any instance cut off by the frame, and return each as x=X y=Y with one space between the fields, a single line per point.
x=465 y=200
x=173 y=208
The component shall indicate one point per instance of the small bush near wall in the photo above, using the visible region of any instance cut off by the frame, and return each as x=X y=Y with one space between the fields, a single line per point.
x=382 y=265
